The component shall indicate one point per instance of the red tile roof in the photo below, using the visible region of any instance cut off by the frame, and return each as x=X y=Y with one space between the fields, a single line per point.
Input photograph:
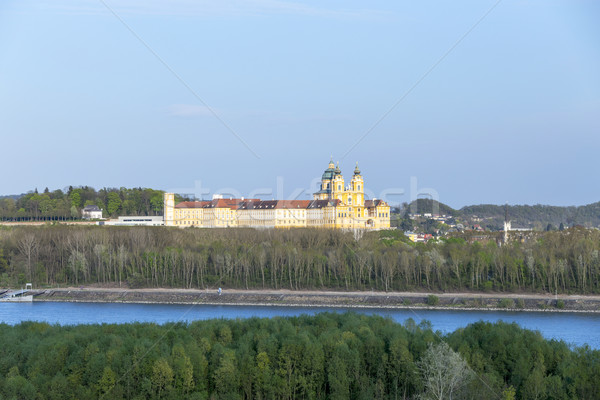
x=191 y=204
x=289 y=204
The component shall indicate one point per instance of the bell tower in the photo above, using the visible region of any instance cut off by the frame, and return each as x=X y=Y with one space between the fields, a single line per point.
x=357 y=187
x=338 y=183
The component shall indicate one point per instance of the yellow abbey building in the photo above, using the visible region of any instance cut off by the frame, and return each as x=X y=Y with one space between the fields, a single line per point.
x=335 y=205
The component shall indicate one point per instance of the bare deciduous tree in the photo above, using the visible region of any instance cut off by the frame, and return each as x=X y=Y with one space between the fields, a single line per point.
x=28 y=245
x=445 y=373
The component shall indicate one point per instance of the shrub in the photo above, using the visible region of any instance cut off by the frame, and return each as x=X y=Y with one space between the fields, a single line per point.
x=506 y=303
x=560 y=303
x=432 y=300
x=136 y=281
x=488 y=286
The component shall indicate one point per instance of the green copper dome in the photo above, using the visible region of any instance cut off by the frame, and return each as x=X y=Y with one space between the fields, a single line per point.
x=330 y=171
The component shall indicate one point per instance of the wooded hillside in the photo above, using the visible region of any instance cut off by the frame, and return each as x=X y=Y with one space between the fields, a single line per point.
x=491 y=216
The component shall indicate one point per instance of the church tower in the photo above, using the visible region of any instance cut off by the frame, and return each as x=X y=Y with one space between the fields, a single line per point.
x=357 y=186
x=338 y=184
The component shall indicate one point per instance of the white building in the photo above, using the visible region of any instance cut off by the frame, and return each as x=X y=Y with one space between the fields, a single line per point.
x=91 y=212
x=135 y=220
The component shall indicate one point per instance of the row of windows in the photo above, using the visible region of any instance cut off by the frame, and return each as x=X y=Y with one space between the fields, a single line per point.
x=326 y=186
x=229 y=217
x=344 y=215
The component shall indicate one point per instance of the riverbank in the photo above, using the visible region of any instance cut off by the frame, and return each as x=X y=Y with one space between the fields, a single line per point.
x=457 y=301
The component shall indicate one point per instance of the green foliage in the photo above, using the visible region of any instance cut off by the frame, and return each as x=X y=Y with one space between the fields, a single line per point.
x=325 y=356
x=432 y=300
x=114 y=203
x=488 y=286
x=3 y=261
x=560 y=304
x=506 y=303
x=59 y=205
x=509 y=393
x=75 y=197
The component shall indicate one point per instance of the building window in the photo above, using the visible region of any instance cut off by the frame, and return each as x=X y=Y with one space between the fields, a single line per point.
x=358 y=188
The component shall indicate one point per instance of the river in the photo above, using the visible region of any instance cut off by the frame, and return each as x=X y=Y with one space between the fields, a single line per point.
x=574 y=328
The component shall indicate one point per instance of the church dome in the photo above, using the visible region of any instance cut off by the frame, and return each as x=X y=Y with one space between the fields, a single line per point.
x=330 y=171
x=328 y=174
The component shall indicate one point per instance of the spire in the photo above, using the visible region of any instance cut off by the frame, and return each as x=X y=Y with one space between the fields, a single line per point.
x=356 y=170
x=338 y=171
x=331 y=164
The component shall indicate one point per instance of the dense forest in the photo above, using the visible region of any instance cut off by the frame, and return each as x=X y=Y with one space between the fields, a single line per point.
x=555 y=262
x=326 y=356
x=59 y=205
x=539 y=217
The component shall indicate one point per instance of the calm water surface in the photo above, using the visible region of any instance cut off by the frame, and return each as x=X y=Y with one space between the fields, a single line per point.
x=574 y=328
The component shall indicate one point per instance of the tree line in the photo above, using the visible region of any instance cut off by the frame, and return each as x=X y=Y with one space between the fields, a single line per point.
x=326 y=356
x=62 y=205
x=554 y=262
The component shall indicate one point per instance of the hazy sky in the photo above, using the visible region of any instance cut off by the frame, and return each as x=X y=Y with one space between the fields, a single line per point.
x=480 y=101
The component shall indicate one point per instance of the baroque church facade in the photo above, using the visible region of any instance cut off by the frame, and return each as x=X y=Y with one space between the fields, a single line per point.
x=335 y=205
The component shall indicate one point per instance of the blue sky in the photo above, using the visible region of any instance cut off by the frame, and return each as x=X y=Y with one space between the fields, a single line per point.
x=479 y=101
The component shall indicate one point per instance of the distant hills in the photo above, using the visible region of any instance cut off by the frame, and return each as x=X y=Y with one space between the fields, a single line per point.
x=12 y=196
x=491 y=216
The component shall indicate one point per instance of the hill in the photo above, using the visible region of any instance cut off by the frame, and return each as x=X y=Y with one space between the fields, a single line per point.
x=491 y=216
x=12 y=196
x=536 y=216
x=428 y=206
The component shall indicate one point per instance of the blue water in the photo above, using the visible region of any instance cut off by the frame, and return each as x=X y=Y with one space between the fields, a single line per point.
x=573 y=328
